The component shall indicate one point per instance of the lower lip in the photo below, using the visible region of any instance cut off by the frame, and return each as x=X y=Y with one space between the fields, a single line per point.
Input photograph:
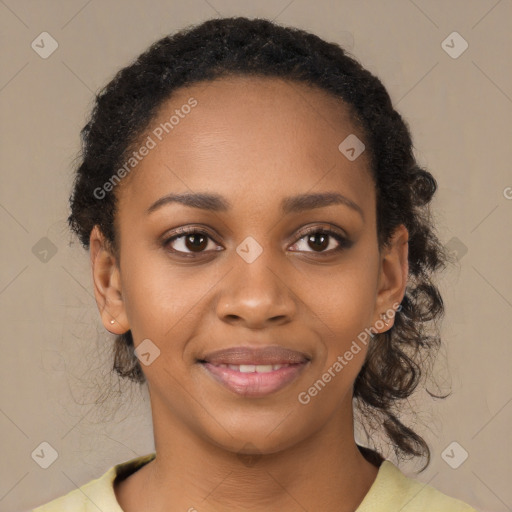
x=255 y=384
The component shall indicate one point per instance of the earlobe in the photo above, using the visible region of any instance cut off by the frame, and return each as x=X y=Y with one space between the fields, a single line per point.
x=394 y=271
x=107 y=284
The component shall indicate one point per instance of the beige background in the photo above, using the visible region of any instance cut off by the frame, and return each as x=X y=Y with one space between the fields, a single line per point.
x=55 y=355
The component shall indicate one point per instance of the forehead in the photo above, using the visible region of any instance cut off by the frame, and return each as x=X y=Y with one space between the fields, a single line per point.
x=249 y=137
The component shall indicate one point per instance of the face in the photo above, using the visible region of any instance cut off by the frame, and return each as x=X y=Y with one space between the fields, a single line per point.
x=265 y=261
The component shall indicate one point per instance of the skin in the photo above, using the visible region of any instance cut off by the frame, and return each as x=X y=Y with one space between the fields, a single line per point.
x=253 y=141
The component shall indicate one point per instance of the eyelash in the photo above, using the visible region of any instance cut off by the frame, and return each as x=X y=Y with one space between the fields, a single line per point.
x=343 y=242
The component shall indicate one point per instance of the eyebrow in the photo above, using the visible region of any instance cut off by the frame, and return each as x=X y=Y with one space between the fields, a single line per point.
x=294 y=204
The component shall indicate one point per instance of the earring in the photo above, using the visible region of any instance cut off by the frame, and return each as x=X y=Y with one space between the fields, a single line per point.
x=112 y=321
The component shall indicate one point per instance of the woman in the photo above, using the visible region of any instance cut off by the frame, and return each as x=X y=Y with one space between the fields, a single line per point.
x=261 y=245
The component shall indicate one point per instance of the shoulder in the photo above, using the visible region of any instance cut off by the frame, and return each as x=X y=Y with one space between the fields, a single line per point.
x=392 y=490
x=98 y=494
x=83 y=498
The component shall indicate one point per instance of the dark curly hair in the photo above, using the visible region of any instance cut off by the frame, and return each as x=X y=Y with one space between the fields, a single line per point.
x=396 y=359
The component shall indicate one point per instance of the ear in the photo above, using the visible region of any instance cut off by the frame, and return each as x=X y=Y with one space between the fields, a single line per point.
x=393 y=274
x=107 y=284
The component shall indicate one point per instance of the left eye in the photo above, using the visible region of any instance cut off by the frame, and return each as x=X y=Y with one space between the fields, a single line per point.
x=320 y=239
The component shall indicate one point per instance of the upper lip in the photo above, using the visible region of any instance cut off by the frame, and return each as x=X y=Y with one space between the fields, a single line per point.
x=261 y=355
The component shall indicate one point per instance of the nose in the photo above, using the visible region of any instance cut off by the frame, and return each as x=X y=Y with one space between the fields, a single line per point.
x=256 y=295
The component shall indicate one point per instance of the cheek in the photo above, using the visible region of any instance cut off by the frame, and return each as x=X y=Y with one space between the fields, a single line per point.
x=344 y=299
x=344 y=303
x=148 y=294
x=161 y=299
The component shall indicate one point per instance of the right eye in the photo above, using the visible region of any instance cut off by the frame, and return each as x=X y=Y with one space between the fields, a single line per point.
x=189 y=241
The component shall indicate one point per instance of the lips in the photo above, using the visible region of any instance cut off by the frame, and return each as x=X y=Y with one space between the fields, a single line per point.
x=255 y=372
x=254 y=384
x=264 y=356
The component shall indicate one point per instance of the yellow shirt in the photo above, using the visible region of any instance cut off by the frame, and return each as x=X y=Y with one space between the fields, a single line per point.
x=391 y=491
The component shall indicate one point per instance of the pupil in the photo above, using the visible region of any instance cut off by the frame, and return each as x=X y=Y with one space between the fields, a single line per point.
x=199 y=241
x=314 y=238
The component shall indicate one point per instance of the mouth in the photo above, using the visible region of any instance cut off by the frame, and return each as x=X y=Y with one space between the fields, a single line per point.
x=252 y=372
x=254 y=380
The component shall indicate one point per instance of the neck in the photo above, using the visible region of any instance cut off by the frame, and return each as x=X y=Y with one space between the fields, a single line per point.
x=324 y=471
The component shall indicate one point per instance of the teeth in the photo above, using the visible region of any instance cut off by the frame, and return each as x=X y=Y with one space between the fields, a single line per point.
x=251 y=368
